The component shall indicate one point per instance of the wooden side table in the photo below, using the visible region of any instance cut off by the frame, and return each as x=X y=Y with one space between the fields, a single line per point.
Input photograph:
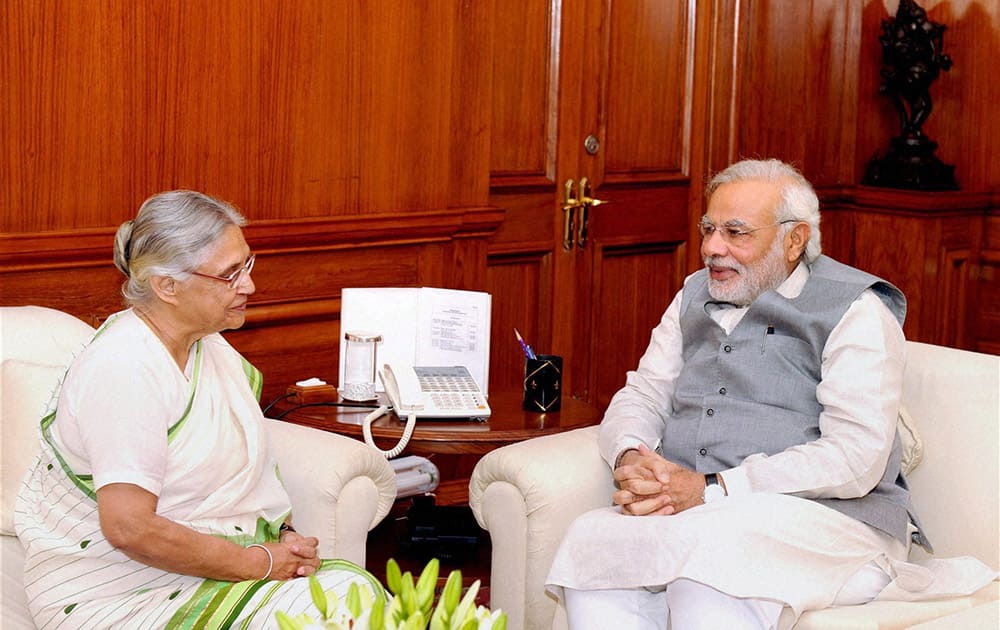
x=455 y=445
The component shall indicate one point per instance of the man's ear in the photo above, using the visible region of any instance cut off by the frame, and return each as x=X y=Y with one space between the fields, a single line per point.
x=165 y=288
x=796 y=241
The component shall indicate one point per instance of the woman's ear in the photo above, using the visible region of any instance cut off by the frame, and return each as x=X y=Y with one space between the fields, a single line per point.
x=165 y=288
x=796 y=241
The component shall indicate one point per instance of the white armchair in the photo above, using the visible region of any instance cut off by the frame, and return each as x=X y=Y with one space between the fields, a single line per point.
x=527 y=494
x=339 y=488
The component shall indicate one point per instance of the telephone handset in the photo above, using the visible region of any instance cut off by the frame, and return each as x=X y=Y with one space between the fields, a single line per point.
x=447 y=392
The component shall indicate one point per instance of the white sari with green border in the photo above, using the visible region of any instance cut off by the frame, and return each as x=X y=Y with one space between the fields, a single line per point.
x=196 y=440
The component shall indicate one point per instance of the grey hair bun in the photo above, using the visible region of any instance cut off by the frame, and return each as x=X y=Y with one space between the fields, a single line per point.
x=123 y=244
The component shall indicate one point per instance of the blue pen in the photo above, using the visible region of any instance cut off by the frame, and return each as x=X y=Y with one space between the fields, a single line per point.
x=528 y=352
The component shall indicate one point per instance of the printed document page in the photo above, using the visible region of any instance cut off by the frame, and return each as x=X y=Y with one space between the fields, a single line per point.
x=421 y=326
x=455 y=330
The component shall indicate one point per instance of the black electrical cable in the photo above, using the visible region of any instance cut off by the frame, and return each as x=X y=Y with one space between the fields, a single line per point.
x=276 y=401
x=326 y=404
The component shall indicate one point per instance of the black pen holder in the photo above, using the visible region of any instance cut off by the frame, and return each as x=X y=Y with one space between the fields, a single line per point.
x=543 y=383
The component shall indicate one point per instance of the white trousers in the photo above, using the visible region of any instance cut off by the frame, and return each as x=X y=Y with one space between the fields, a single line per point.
x=690 y=605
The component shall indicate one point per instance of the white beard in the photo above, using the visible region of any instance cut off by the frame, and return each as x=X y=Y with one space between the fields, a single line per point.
x=751 y=280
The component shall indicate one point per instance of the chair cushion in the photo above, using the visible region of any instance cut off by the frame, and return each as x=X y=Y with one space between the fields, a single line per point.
x=26 y=390
x=36 y=345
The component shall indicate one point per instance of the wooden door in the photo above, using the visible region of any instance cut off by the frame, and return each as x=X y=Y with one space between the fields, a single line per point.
x=601 y=91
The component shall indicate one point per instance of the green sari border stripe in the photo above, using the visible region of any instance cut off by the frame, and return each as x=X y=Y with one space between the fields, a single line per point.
x=172 y=431
x=187 y=615
x=218 y=604
x=254 y=376
x=263 y=600
x=85 y=483
x=236 y=601
x=208 y=613
x=347 y=565
x=219 y=610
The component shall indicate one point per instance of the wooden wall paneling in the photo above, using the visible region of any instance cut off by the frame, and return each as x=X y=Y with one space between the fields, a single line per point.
x=648 y=67
x=896 y=248
x=525 y=71
x=293 y=318
x=794 y=84
x=291 y=351
x=925 y=244
x=633 y=286
x=520 y=279
x=637 y=93
x=638 y=258
x=520 y=283
x=424 y=103
x=289 y=110
x=837 y=226
x=984 y=304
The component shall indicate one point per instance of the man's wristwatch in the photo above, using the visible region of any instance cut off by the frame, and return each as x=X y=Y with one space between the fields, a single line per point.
x=713 y=491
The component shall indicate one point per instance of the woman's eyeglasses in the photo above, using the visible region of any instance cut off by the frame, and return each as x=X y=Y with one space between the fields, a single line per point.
x=234 y=279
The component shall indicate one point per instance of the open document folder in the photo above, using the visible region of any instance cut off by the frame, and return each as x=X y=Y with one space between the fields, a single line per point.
x=422 y=326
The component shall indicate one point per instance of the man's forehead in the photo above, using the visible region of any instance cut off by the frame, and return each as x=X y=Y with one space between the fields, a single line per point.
x=743 y=203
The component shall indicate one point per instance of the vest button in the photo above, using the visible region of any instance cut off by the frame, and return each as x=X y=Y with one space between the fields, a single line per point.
x=728 y=348
x=703 y=451
x=710 y=412
x=722 y=390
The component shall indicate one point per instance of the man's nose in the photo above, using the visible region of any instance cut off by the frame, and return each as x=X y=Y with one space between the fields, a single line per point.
x=714 y=245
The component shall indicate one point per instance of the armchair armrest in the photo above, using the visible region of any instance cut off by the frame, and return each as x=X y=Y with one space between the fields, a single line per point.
x=526 y=495
x=339 y=487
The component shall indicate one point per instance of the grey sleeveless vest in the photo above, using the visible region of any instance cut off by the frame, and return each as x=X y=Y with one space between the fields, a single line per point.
x=754 y=390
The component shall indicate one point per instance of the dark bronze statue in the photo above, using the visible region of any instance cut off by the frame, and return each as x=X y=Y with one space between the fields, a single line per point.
x=912 y=61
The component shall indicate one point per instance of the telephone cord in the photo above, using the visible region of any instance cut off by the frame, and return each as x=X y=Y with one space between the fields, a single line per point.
x=366 y=430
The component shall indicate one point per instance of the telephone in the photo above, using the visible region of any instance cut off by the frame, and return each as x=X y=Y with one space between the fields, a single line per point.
x=447 y=392
x=435 y=392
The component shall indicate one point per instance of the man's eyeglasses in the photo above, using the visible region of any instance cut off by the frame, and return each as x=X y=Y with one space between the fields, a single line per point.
x=234 y=279
x=734 y=234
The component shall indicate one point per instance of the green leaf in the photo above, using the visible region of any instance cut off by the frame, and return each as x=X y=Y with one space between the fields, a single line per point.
x=415 y=622
x=465 y=607
x=500 y=623
x=425 y=586
x=441 y=617
x=376 y=618
x=408 y=595
x=292 y=623
x=452 y=591
x=318 y=596
x=396 y=613
x=354 y=600
x=393 y=577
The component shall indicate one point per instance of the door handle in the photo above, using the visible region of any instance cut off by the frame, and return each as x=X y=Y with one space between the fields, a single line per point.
x=570 y=203
x=586 y=203
x=576 y=206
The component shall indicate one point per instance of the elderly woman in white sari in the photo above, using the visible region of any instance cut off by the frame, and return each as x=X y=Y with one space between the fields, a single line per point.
x=155 y=502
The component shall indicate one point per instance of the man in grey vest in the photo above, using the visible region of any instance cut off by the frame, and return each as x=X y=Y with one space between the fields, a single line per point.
x=754 y=448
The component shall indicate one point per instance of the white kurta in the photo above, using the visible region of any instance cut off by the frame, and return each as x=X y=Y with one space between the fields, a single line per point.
x=127 y=414
x=760 y=542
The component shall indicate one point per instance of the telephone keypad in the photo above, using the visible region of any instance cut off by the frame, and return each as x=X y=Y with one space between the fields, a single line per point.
x=450 y=388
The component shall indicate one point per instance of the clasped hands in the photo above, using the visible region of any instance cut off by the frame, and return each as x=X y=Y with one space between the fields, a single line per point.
x=649 y=484
x=294 y=556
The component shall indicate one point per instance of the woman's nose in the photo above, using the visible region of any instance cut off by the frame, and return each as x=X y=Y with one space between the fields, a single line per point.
x=247 y=285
